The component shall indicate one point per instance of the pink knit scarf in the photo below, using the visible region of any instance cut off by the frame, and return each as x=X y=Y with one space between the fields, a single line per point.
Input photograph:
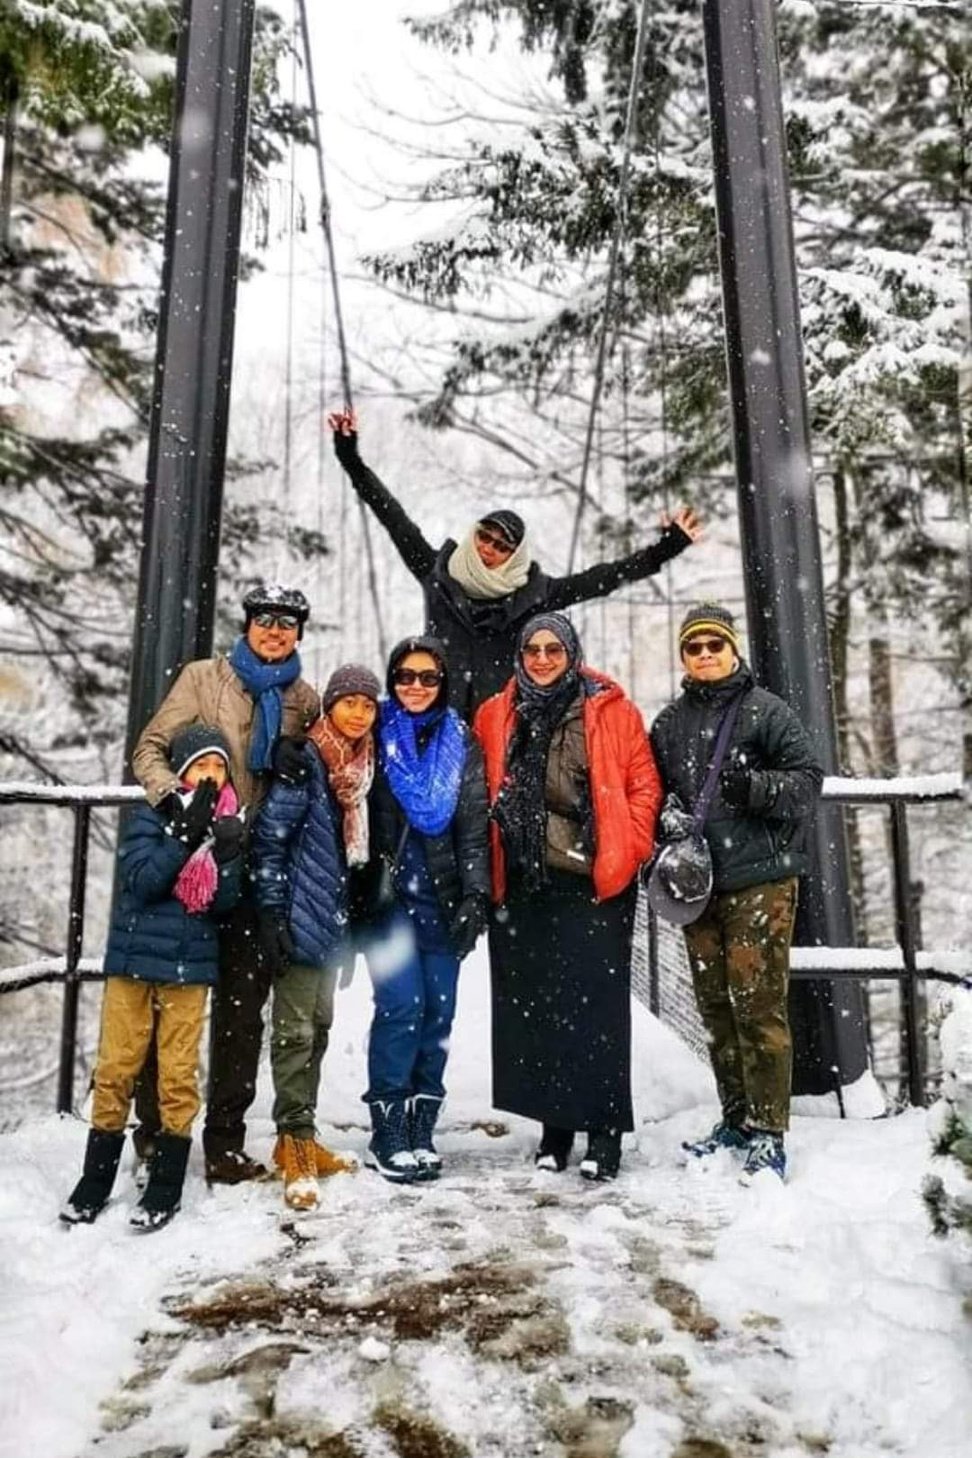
x=196 y=883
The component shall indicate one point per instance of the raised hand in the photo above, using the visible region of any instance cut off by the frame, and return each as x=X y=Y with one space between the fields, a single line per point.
x=686 y=519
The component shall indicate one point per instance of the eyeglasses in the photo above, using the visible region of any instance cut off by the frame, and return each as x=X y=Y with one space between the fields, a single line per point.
x=544 y=650
x=278 y=620
x=499 y=544
x=427 y=677
x=704 y=645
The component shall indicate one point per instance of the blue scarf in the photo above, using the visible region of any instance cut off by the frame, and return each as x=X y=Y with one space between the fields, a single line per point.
x=264 y=682
x=425 y=781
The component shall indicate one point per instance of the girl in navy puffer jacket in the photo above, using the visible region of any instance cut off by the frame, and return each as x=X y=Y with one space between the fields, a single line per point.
x=311 y=833
x=178 y=871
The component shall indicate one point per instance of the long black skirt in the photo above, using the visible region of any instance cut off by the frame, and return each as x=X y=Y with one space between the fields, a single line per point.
x=560 y=966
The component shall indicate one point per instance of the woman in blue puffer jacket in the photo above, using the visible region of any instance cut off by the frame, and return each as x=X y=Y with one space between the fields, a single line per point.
x=310 y=835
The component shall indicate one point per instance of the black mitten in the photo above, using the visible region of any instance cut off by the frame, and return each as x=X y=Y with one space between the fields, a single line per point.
x=227 y=838
x=468 y=924
x=290 y=762
x=275 y=940
x=190 y=819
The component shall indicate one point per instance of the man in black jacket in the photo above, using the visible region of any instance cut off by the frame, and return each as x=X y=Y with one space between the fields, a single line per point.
x=739 y=948
x=480 y=592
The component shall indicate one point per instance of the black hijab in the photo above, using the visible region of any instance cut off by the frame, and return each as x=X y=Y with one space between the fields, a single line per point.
x=520 y=809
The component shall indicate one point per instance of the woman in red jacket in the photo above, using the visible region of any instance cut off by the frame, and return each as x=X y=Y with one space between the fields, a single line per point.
x=574 y=795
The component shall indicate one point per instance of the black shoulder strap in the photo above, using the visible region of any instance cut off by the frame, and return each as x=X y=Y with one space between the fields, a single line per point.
x=723 y=737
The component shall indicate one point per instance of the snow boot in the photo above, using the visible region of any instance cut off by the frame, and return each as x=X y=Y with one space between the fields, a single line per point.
x=723 y=1135
x=325 y=1160
x=299 y=1165
x=389 y=1151
x=234 y=1167
x=143 y=1140
x=163 y=1193
x=554 y=1149
x=765 y=1151
x=423 y=1113
x=90 y=1195
x=603 y=1158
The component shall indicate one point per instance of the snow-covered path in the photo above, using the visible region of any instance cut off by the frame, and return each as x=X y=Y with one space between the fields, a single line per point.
x=673 y=1314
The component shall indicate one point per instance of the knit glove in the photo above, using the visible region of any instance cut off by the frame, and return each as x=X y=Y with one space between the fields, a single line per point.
x=346 y=448
x=735 y=785
x=289 y=761
x=189 y=819
x=276 y=943
x=468 y=924
x=227 y=838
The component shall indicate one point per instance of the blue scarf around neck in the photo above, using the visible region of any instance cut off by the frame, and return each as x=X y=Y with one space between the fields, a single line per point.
x=264 y=682
x=425 y=780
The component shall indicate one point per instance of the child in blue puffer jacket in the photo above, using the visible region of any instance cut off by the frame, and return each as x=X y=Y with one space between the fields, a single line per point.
x=309 y=837
x=178 y=873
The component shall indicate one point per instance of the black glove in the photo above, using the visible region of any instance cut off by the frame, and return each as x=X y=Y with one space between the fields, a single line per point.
x=735 y=784
x=346 y=448
x=189 y=822
x=468 y=924
x=276 y=942
x=227 y=838
x=290 y=762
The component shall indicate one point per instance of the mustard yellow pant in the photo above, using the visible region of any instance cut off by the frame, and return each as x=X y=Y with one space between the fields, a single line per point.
x=129 y=1012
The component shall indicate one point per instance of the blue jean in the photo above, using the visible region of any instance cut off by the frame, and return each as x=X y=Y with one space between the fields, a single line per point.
x=415 y=1003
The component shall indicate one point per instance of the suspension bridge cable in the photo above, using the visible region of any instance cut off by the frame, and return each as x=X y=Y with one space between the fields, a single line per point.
x=619 y=228
x=325 y=219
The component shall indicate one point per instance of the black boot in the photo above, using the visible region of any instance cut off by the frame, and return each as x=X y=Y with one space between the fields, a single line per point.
x=90 y=1195
x=389 y=1151
x=554 y=1150
x=163 y=1193
x=603 y=1158
x=422 y=1120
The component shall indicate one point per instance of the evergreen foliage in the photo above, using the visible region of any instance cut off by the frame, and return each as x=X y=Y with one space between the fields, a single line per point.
x=87 y=93
x=947 y=1210
x=876 y=100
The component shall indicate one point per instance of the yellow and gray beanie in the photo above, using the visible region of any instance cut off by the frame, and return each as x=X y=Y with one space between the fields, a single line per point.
x=709 y=617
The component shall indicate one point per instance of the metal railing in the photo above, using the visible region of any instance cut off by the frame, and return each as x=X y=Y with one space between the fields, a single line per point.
x=907 y=962
x=81 y=799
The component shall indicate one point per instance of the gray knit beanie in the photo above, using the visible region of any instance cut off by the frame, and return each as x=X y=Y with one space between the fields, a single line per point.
x=350 y=678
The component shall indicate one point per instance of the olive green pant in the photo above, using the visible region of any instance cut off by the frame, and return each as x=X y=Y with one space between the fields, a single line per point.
x=303 y=1010
x=739 y=950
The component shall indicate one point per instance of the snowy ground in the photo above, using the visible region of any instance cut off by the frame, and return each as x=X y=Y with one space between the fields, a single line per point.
x=673 y=1314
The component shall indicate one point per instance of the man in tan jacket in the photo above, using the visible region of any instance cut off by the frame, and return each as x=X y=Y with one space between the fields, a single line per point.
x=255 y=696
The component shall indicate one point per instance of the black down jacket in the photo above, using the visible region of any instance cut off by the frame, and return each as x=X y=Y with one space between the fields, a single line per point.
x=768 y=842
x=458 y=860
x=298 y=862
x=481 y=637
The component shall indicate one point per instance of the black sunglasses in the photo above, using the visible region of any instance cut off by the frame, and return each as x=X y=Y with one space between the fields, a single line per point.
x=489 y=540
x=280 y=620
x=427 y=677
x=704 y=645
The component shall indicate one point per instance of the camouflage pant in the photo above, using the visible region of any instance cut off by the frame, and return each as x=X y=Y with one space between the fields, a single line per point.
x=740 y=955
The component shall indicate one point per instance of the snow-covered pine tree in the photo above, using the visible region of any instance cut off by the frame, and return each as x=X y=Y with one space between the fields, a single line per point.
x=950 y=1205
x=86 y=91
x=876 y=104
